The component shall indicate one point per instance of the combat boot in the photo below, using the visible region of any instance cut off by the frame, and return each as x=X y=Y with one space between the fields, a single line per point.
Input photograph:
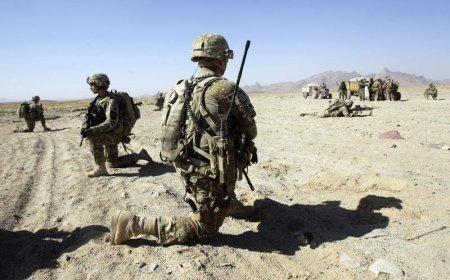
x=124 y=225
x=47 y=129
x=100 y=170
x=240 y=211
x=143 y=154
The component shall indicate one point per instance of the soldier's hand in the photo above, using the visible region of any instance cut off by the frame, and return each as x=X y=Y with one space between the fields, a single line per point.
x=83 y=132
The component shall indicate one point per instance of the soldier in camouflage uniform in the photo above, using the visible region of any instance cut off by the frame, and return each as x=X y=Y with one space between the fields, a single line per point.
x=377 y=90
x=369 y=86
x=36 y=113
x=362 y=85
x=431 y=91
x=336 y=108
x=159 y=101
x=390 y=89
x=107 y=133
x=208 y=195
x=342 y=91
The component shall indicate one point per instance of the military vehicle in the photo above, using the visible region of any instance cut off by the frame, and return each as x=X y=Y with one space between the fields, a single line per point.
x=316 y=91
x=353 y=85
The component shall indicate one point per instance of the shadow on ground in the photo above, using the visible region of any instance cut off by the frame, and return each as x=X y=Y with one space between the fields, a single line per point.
x=23 y=252
x=285 y=228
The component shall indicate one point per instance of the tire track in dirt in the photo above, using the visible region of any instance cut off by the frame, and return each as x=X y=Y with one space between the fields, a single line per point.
x=18 y=191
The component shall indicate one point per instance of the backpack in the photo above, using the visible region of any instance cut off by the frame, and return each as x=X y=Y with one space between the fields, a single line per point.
x=24 y=110
x=176 y=125
x=129 y=111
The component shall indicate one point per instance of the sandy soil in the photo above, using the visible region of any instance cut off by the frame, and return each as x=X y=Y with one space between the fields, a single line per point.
x=358 y=199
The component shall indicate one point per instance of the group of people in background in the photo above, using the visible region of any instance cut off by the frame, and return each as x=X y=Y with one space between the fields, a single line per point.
x=371 y=90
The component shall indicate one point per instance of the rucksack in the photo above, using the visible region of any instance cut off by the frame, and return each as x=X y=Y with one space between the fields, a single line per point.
x=129 y=111
x=175 y=120
x=24 y=110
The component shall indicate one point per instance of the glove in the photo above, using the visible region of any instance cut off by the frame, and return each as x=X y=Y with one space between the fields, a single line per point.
x=86 y=132
x=254 y=155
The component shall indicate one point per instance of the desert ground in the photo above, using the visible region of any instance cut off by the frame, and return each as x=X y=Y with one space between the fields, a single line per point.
x=334 y=200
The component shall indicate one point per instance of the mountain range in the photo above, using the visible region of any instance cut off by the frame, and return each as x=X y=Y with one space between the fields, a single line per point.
x=330 y=78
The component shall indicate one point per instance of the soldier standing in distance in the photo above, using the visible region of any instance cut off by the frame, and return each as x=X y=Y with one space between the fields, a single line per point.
x=342 y=91
x=212 y=53
x=362 y=85
x=107 y=129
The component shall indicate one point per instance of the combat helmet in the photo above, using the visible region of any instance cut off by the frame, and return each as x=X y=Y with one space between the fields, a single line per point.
x=98 y=79
x=35 y=98
x=348 y=103
x=210 y=45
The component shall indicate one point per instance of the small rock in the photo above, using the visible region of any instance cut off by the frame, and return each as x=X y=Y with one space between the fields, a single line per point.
x=383 y=266
x=142 y=264
x=394 y=146
x=152 y=267
x=393 y=134
x=124 y=195
x=198 y=263
x=349 y=261
x=445 y=147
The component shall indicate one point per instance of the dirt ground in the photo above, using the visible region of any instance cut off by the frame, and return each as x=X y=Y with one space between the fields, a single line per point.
x=365 y=204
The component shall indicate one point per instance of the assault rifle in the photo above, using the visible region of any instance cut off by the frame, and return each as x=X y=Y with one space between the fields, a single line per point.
x=358 y=109
x=224 y=127
x=94 y=116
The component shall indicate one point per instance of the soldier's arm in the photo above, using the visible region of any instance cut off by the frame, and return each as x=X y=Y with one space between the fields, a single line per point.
x=112 y=117
x=244 y=114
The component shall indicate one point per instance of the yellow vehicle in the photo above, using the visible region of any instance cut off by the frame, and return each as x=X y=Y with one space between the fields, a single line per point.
x=353 y=85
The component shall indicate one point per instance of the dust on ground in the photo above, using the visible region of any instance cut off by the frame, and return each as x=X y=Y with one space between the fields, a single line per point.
x=334 y=200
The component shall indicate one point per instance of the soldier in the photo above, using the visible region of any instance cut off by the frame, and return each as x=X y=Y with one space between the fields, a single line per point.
x=362 y=85
x=342 y=91
x=336 y=108
x=369 y=86
x=431 y=91
x=377 y=89
x=35 y=112
x=389 y=89
x=212 y=98
x=106 y=130
x=159 y=102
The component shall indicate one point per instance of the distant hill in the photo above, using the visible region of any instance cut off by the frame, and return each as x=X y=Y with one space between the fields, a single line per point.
x=330 y=78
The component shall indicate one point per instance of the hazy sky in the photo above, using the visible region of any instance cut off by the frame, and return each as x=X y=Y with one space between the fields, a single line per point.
x=49 y=47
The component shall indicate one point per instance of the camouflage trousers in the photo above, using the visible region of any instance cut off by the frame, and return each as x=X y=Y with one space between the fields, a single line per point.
x=104 y=147
x=31 y=122
x=342 y=111
x=204 y=223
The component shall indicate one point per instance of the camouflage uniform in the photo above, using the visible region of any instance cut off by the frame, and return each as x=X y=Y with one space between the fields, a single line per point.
x=431 y=91
x=206 y=193
x=106 y=136
x=389 y=90
x=336 y=108
x=35 y=114
x=107 y=131
x=377 y=90
x=342 y=91
x=159 y=102
x=362 y=85
x=371 y=92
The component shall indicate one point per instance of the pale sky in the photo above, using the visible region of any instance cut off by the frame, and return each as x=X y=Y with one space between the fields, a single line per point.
x=49 y=47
